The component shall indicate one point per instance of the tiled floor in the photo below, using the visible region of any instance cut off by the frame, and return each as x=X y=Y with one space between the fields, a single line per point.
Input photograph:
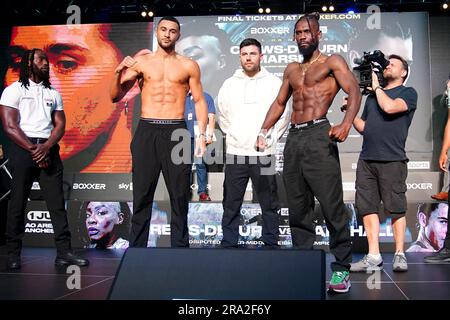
x=422 y=281
x=39 y=279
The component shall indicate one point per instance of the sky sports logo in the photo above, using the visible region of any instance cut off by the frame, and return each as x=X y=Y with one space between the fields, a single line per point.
x=126 y=186
x=412 y=165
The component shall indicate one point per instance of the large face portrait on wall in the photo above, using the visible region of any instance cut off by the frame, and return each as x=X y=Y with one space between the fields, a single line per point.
x=82 y=62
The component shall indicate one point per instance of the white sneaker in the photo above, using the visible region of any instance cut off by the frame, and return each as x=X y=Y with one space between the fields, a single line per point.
x=367 y=263
x=399 y=264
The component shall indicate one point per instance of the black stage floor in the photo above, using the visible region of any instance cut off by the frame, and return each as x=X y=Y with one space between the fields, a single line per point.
x=39 y=279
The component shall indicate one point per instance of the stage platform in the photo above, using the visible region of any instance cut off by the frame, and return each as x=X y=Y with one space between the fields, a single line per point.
x=39 y=279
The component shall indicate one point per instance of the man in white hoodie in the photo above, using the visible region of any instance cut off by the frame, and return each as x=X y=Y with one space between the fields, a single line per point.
x=243 y=102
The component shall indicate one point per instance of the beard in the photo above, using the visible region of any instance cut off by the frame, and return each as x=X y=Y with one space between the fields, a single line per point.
x=251 y=69
x=166 y=46
x=43 y=75
x=388 y=76
x=308 y=51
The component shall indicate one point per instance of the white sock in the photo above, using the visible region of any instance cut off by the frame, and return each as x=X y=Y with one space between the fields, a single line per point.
x=400 y=253
x=376 y=257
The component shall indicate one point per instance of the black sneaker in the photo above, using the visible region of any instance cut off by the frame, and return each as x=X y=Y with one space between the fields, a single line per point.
x=442 y=256
x=13 y=263
x=69 y=258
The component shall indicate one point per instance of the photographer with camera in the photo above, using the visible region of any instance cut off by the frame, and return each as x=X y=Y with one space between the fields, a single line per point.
x=371 y=62
x=382 y=165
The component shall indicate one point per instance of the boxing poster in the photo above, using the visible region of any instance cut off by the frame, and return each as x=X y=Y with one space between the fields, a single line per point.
x=213 y=41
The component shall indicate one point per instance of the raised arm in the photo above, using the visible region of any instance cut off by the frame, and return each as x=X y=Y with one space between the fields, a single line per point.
x=347 y=81
x=126 y=74
x=386 y=103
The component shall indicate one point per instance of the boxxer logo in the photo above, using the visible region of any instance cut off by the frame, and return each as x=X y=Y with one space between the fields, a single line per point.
x=89 y=186
x=270 y=30
x=420 y=186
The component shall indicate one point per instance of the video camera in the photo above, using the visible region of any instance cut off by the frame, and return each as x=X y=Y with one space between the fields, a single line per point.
x=370 y=61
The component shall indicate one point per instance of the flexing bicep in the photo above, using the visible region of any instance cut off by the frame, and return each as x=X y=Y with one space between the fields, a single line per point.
x=129 y=76
x=125 y=78
x=135 y=71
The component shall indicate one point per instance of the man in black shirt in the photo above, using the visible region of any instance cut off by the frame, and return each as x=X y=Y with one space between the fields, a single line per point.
x=382 y=165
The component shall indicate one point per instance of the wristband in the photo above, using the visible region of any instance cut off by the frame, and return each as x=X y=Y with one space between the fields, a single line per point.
x=201 y=134
x=262 y=135
x=377 y=87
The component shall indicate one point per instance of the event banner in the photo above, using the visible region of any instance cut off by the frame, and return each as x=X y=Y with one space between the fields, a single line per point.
x=119 y=187
x=106 y=225
x=213 y=41
x=96 y=147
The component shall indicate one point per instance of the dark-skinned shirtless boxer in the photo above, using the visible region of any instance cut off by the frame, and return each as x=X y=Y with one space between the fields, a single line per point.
x=311 y=158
